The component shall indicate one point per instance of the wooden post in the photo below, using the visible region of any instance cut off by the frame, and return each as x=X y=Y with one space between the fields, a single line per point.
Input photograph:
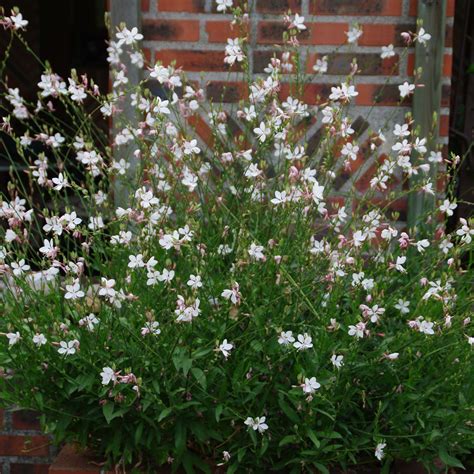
x=128 y=12
x=427 y=99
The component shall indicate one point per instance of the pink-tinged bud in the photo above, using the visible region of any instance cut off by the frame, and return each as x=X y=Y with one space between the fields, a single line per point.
x=293 y=172
x=102 y=402
x=406 y=37
x=368 y=298
x=423 y=281
x=271 y=243
x=277 y=259
x=222 y=117
x=137 y=153
x=240 y=114
x=350 y=260
x=466 y=321
x=450 y=261
x=278 y=279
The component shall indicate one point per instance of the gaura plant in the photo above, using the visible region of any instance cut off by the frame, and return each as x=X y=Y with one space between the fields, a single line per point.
x=173 y=300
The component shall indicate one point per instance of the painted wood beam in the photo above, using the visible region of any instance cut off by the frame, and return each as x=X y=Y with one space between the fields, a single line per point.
x=427 y=101
x=127 y=12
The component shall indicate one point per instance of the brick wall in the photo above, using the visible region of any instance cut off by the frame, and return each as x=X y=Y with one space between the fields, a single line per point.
x=23 y=448
x=193 y=34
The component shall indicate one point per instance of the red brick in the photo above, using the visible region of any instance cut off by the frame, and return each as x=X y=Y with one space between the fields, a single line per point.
x=11 y=445
x=379 y=94
x=219 y=91
x=29 y=468
x=145 y=5
x=195 y=61
x=202 y=128
x=316 y=33
x=444 y=125
x=378 y=34
x=1 y=421
x=171 y=30
x=190 y=6
x=278 y=6
x=25 y=420
x=220 y=31
x=356 y=7
x=447 y=65
x=71 y=461
x=370 y=64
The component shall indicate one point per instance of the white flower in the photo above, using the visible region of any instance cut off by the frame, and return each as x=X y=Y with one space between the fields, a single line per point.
x=39 y=340
x=337 y=361
x=310 y=385
x=354 y=34
x=73 y=292
x=359 y=238
x=223 y=5
x=60 y=182
x=387 y=51
x=401 y=131
x=191 y=147
x=129 y=36
x=403 y=306
x=421 y=245
x=298 y=23
x=224 y=249
x=426 y=327
x=304 y=342
x=136 y=261
x=18 y=22
x=108 y=375
x=225 y=347
x=350 y=150
x=286 y=338
x=19 y=267
x=379 y=451
x=233 y=52
x=68 y=348
x=448 y=207
x=13 y=338
x=256 y=251
x=194 y=282
x=321 y=66
x=89 y=321
x=152 y=327
x=257 y=424
x=399 y=263
x=262 y=132
x=422 y=37
x=233 y=294
x=392 y=356
x=280 y=198
x=406 y=89
x=465 y=232
x=435 y=157
x=358 y=330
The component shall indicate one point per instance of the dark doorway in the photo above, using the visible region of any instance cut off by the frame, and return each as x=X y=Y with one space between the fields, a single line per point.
x=461 y=136
x=68 y=34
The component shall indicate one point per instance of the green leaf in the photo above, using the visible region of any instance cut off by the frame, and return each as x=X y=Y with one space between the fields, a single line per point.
x=108 y=410
x=265 y=444
x=200 y=376
x=288 y=440
x=288 y=411
x=180 y=437
x=164 y=413
x=138 y=433
x=450 y=460
x=323 y=469
x=218 y=412
x=312 y=436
